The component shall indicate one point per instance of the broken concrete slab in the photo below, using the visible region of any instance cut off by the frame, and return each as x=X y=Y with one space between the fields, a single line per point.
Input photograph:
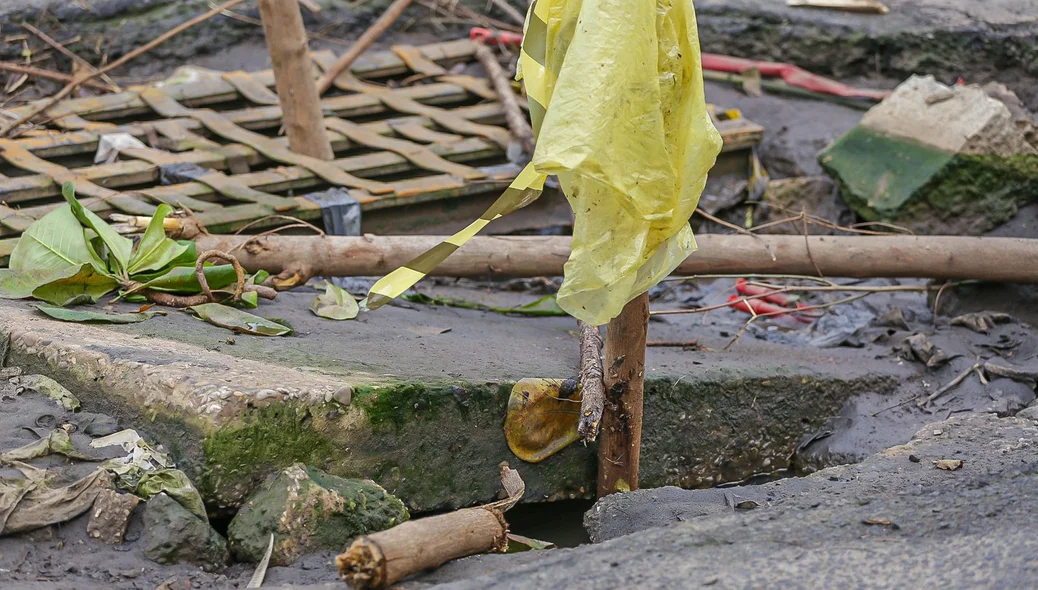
x=937 y=159
x=307 y=510
x=927 y=527
x=429 y=393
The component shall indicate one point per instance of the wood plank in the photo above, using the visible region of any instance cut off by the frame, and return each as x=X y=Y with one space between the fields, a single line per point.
x=213 y=91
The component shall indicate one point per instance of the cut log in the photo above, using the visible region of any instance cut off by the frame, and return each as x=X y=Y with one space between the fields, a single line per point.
x=382 y=559
x=931 y=257
x=294 y=78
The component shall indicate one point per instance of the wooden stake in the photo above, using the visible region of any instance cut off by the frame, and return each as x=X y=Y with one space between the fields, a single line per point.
x=294 y=78
x=620 y=447
x=361 y=44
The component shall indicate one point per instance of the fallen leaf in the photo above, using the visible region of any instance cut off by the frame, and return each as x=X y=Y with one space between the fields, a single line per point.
x=428 y=330
x=949 y=464
x=746 y=505
x=88 y=316
x=877 y=521
x=517 y=543
x=335 y=304
x=238 y=320
x=542 y=417
x=982 y=321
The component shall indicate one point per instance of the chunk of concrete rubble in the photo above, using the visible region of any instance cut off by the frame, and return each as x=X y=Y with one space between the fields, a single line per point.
x=110 y=516
x=176 y=535
x=937 y=159
x=307 y=510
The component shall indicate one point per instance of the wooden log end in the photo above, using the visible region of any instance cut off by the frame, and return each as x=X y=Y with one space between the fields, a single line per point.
x=363 y=565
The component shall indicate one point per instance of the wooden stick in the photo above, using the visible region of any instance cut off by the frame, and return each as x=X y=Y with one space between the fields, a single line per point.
x=384 y=558
x=620 y=449
x=293 y=77
x=511 y=11
x=71 y=86
x=592 y=386
x=513 y=114
x=361 y=44
x=48 y=74
x=950 y=385
x=933 y=257
x=112 y=86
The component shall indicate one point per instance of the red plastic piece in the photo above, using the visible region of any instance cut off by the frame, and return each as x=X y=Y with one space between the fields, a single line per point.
x=792 y=74
x=770 y=295
x=491 y=37
x=761 y=307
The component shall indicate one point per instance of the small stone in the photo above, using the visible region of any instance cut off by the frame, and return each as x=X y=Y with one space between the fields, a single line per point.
x=176 y=535
x=110 y=515
x=308 y=510
x=914 y=459
x=344 y=395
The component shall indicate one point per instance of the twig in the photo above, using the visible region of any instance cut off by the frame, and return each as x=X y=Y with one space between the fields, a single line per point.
x=510 y=10
x=48 y=74
x=937 y=301
x=592 y=385
x=361 y=44
x=43 y=106
x=736 y=228
x=238 y=270
x=673 y=344
x=468 y=16
x=69 y=54
x=951 y=384
x=513 y=114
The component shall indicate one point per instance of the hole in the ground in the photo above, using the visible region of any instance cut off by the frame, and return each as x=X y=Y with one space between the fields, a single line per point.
x=559 y=522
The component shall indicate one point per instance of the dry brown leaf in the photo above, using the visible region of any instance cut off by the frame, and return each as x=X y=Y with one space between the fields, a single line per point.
x=949 y=464
x=877 y=521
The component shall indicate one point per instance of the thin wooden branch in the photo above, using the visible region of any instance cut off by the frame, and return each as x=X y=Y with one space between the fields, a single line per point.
x=43 y=106
x=361 y=44
x=513 y=114
x=592 y=385
x=511 y=11
x=48 y=74
x=112 y=86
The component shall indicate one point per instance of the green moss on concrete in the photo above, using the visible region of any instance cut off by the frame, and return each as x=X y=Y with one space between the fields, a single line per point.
x=902 y=181
x=307 y=510
x=237 y=458
x=439 y=446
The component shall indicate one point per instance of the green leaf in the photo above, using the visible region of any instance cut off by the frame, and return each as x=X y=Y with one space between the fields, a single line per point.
x=155 y=251
x=182 y=279
x=238 y=320
x=55 y=241
x=259 y=277
x=85 y=285
x=518 y=543
x=335 y=304
x=119 y=247
x=19 y=284
x=88 y=316
x=545 y=306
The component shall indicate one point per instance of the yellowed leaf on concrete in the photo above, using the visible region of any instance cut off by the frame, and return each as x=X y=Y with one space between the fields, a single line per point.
x=542 y=417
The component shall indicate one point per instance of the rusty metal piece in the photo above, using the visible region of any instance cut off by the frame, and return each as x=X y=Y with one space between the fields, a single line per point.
x=418 y=155
x=165 y=106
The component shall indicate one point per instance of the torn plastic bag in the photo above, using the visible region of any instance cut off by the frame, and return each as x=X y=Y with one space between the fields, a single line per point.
x=615 y=90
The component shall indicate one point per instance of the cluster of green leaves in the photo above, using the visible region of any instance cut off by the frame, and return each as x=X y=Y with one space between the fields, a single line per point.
x=71 y=256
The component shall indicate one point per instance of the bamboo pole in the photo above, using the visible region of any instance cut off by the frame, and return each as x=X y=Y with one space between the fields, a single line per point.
x=293 y=76
x=929 y=257
x=620 y=448
x=361 y=44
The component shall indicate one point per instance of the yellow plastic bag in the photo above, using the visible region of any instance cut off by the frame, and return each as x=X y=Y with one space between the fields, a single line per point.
x=615 y=90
